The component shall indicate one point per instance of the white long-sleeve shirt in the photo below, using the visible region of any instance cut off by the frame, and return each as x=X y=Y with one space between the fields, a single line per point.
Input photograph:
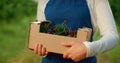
x=102 y=18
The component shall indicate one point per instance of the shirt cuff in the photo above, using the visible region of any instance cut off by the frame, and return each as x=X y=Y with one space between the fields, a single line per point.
x=90 y=52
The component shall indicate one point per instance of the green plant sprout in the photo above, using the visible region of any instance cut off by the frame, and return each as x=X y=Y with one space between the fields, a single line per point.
x=58 y=29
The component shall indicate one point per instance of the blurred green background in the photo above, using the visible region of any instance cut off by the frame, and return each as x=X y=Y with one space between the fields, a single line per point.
x=15 y=16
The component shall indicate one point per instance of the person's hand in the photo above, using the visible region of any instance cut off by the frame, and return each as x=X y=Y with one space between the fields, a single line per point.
x=76 y=52
x=40 y=50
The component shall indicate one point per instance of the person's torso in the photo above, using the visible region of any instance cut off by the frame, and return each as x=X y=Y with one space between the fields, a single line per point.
x=77 y=15
x=75 y=12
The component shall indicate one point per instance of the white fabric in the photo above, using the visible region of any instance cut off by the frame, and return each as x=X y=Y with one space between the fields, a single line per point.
x=102 y=17
x=40 y=10
x=105 y=22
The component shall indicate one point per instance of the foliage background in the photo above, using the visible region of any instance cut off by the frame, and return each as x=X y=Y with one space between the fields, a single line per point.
x=15 y=16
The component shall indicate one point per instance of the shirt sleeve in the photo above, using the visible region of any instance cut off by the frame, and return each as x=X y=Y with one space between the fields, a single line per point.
x=40 y=10
x=109 y=35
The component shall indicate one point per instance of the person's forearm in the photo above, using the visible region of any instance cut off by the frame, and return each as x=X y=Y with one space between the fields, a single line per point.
x=104 y=44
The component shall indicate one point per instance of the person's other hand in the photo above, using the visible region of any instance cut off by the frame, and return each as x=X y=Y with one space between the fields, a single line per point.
x=40 y=50
x=76 y=52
